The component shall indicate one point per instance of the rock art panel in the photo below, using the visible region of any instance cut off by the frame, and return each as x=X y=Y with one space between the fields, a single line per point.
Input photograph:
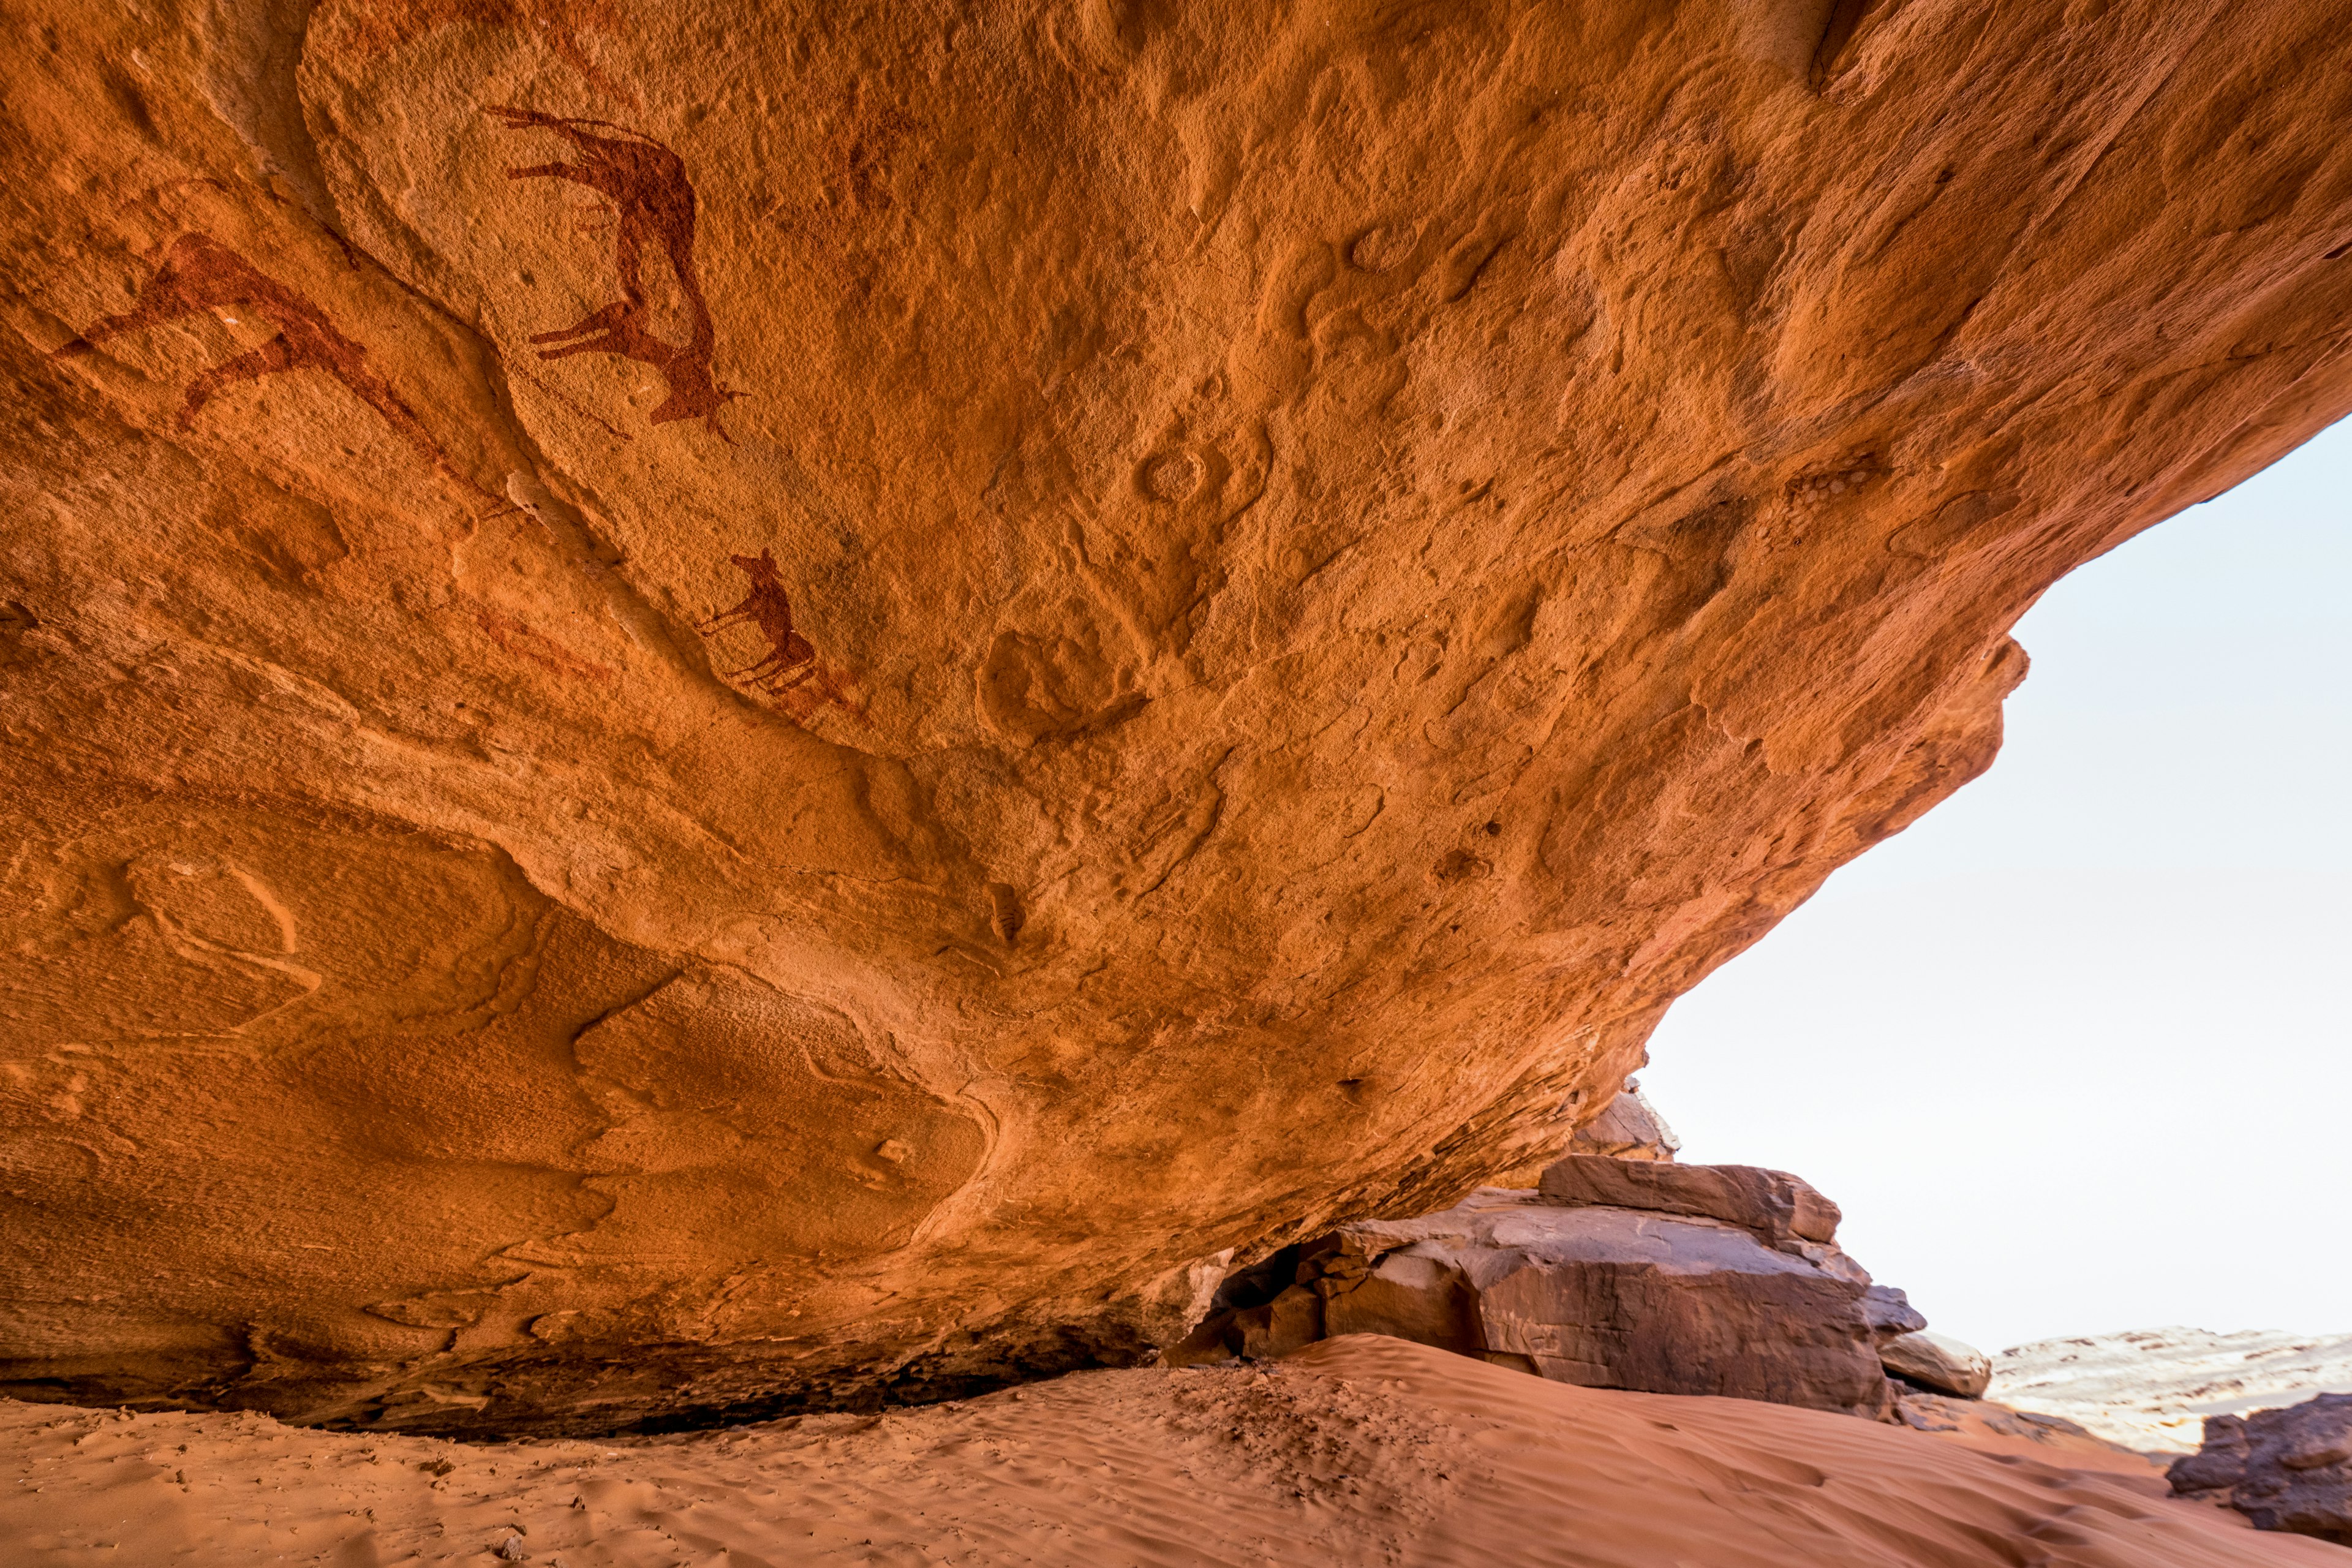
x=747 y=1120
x=790 y=658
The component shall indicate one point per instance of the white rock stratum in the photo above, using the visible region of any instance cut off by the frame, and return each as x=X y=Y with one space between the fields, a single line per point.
x=2152 y=1388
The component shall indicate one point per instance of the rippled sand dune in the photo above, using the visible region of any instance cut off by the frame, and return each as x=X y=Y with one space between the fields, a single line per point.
x=1361 y=1450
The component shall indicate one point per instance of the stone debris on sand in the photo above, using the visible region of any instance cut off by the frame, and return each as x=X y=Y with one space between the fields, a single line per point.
x=2152 y=1389
x=1988 y=1425
x=1357 y=1451
x=2289 y=1469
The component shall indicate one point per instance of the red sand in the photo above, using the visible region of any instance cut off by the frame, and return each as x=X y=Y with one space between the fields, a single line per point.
x=1360 y=1450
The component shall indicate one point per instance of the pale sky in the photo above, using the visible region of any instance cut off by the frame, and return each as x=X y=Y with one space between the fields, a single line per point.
x=2075 y=1052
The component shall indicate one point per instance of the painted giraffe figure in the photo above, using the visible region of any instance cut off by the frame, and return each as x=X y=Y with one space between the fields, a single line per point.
x=654 y=205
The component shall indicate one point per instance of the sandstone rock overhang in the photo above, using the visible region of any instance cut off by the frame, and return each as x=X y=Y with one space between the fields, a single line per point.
x=755 y=708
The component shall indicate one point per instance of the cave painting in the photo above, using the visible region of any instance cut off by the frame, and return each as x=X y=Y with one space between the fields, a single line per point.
x=199 y=274
x=654 y=205
x=790 y=658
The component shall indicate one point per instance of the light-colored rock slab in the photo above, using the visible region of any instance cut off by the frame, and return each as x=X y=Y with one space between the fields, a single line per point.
x=1628 y=1128
x=1938 y=1362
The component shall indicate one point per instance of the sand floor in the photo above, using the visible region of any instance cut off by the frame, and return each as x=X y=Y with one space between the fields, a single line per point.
x=1360 y=1450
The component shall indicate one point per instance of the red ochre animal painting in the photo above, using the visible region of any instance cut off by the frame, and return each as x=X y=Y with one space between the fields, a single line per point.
x=790 y=658
x=654 y=205
x=198 y=274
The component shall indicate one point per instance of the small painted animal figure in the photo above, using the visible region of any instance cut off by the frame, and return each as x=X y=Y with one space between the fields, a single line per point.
x=790 y=658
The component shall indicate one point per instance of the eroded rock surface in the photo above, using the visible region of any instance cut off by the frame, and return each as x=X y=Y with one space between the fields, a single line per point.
x=731 y=705
x=1890 y=1313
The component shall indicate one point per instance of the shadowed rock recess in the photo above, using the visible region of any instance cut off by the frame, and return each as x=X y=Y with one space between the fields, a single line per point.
x=734 y=707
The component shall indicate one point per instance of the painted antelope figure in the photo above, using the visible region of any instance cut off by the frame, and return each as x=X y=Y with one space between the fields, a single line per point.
x=654 y=204
x=197 y=275
x=790 y=658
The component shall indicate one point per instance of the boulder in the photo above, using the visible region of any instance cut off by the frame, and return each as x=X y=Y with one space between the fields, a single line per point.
x=1890 y=1313
x=1628 y=1128
x=1604 y=1297
x=1937 y=1362
x=1777 y=1208
x=2212 y=1473
x=2287 y=1469
x=1983 y=1423
x=798 y=705
x=1291 y=1322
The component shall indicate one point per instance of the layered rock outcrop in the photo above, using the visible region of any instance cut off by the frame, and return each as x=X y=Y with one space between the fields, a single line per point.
x=1783 y=1211
x=2287 y=1469
x=1601 y=1296
x=1707 y=1279
x=736 y=706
